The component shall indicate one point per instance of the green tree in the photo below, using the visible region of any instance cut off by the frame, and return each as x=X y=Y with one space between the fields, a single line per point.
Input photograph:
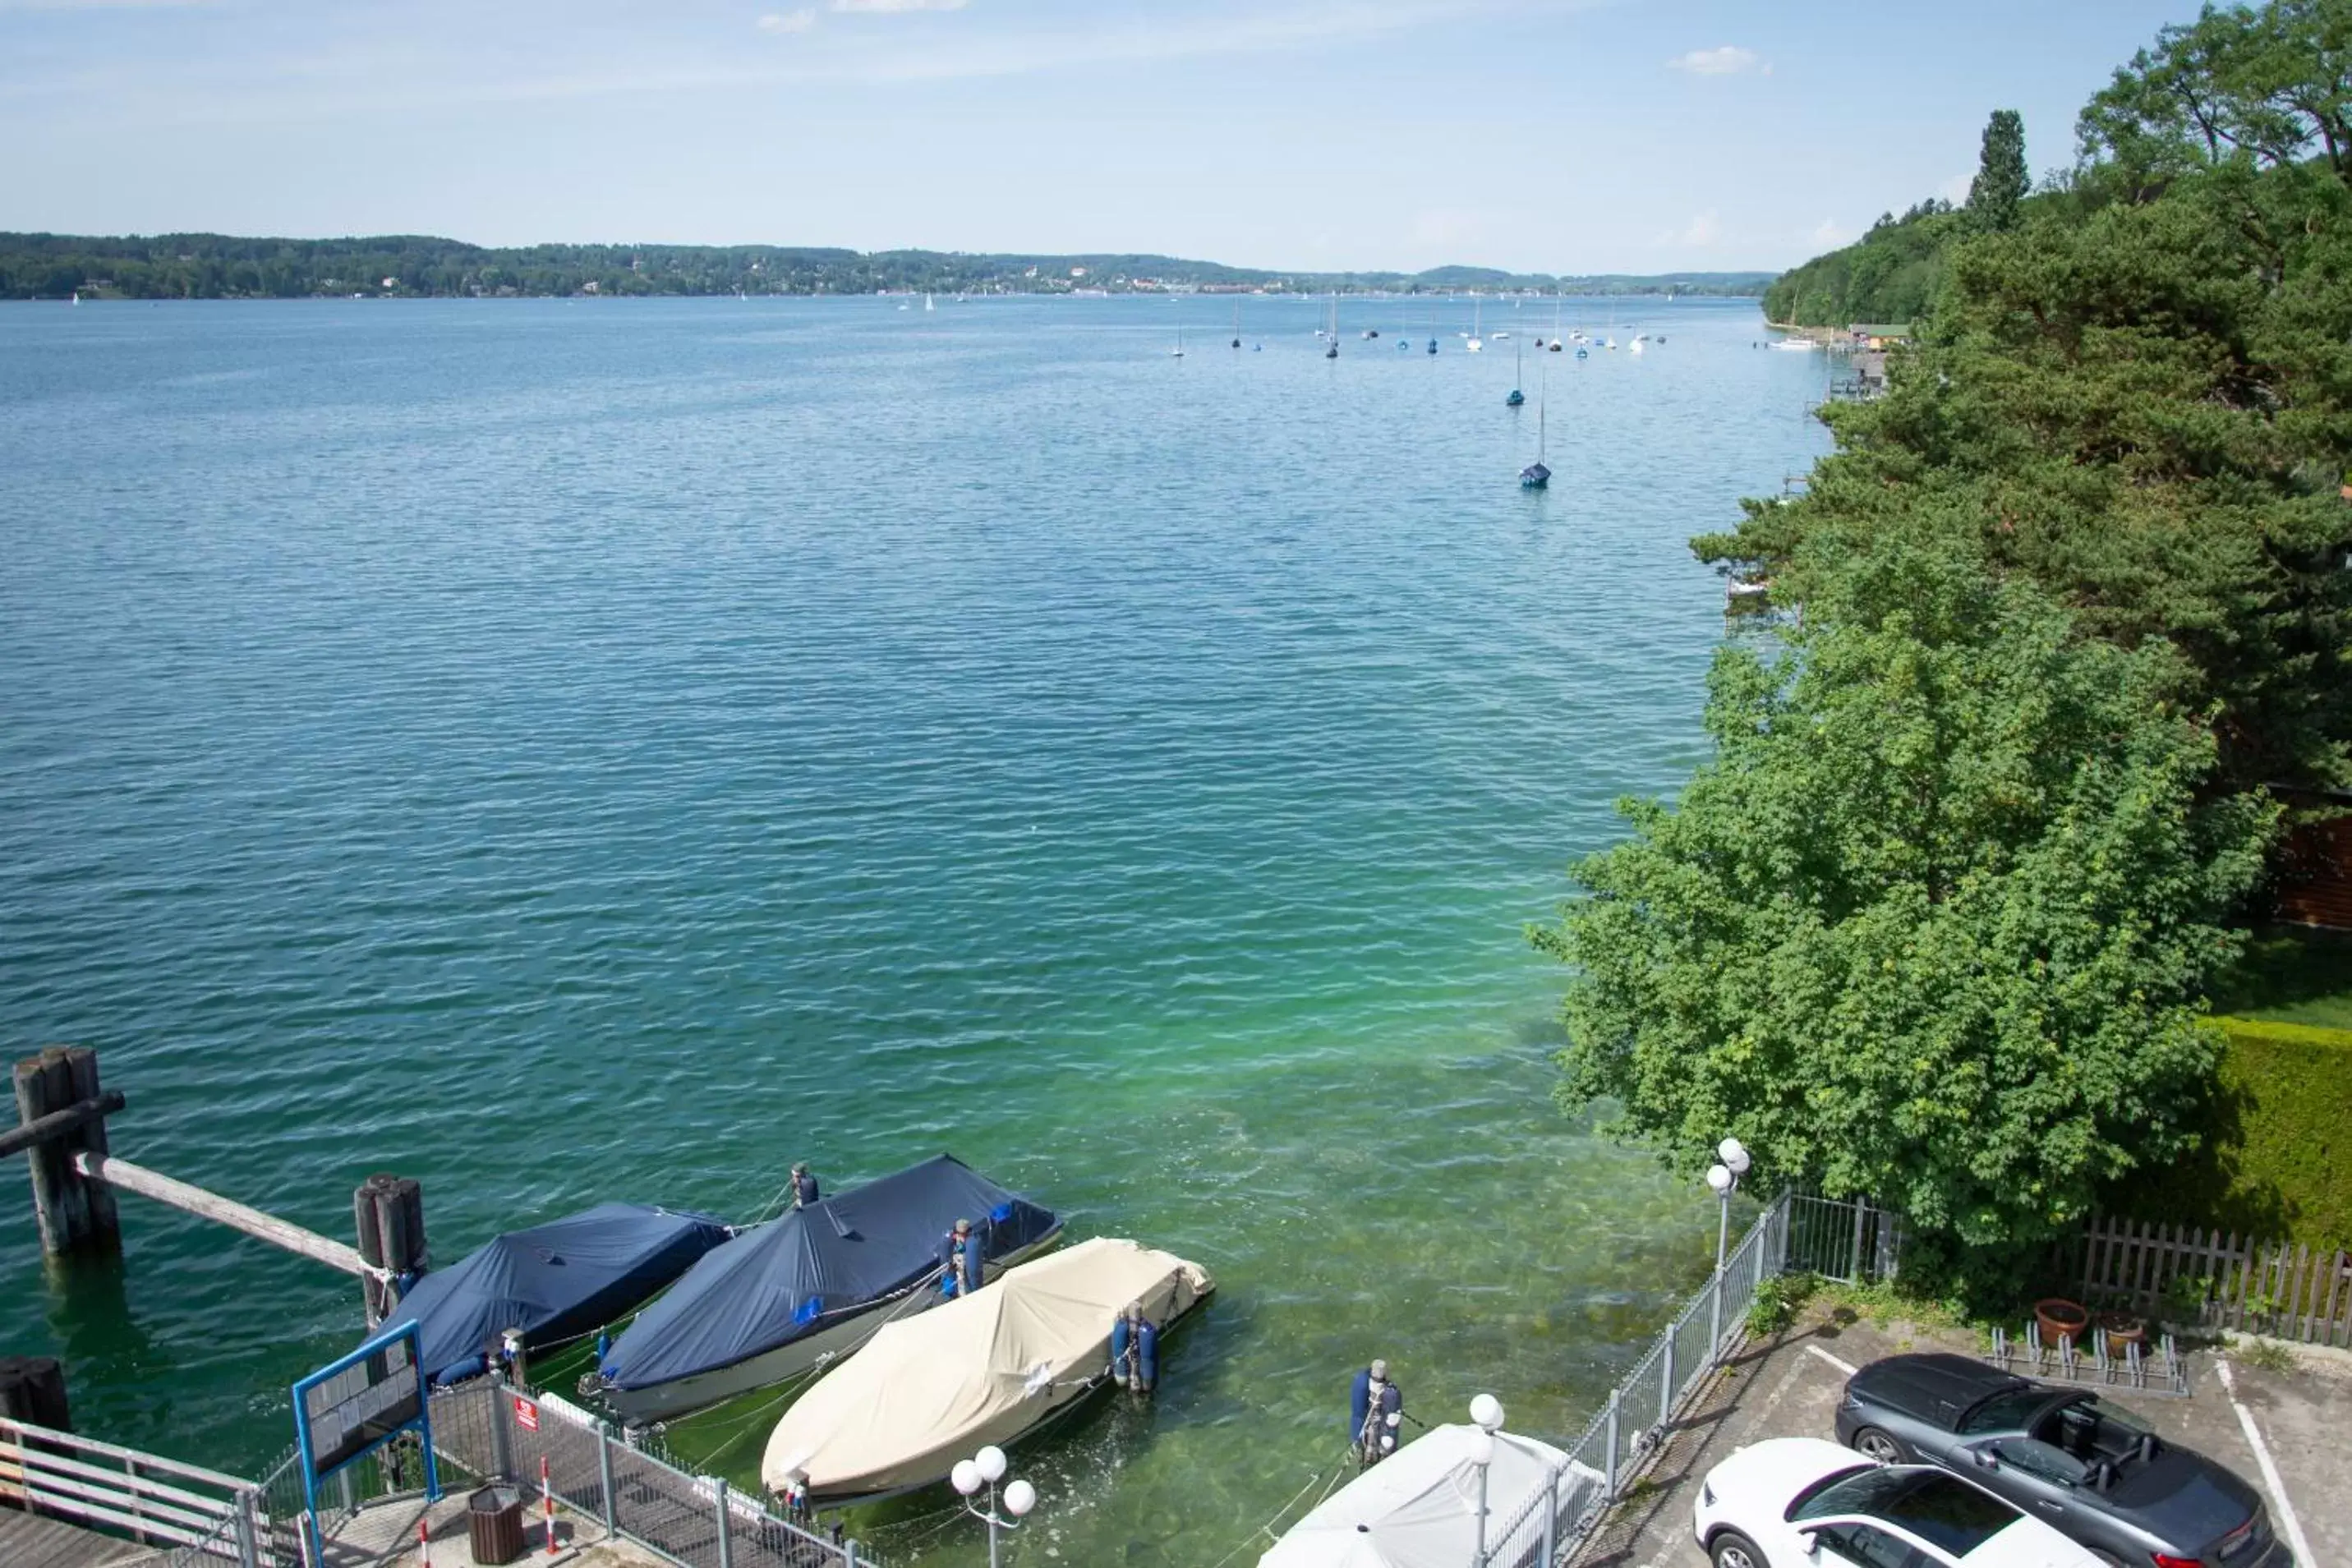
x=2002 y=181
x=1934 y=923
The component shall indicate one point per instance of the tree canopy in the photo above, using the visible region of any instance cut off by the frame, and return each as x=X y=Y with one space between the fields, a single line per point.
x=1933 y=923
x=2001 y=181
x=226 y=266
x=1936 y=921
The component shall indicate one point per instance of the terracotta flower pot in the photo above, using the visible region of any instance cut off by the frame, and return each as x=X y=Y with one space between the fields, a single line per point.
x=2061 y=1318
x=2122 y=1329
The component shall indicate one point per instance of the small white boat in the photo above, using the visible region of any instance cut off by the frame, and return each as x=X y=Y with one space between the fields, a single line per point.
x=926 y=303
x=1418 y=1507
x=1796 y=345
x=1474 y=345
x=985 y=1368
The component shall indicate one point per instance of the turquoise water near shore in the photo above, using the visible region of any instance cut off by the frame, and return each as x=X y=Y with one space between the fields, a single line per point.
x=566 y=750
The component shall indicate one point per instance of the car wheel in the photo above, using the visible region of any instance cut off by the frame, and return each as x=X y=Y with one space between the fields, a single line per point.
x=1873 y=1444
x=1733 y=1550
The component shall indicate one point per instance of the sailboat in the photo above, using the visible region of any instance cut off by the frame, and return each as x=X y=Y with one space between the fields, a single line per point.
x=1178 y=351
x=1517 y=397
x=1474 y=345
x=1237 y=326
x=926 y=303
x=1331 y=349
x=1534 y=475
x=1554 y=344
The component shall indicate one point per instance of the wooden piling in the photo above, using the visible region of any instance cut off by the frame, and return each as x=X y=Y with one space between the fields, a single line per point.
x=33 y=1389
x=76 y=1214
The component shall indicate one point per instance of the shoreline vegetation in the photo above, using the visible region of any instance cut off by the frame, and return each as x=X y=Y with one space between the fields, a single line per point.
x=1987 y=829
x=226 y=266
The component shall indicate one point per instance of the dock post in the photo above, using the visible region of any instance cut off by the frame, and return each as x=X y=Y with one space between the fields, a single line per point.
x=1665 y=1383
x=849 y=1554
x=33 y=1390
x=375 y=1295
x=725 y=1539
x=1551 y=1516
x=76 y=1214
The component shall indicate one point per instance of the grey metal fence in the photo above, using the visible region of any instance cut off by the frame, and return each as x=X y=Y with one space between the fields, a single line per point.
x=480 y=1434
x=1849 y=1241
x=696 y=1521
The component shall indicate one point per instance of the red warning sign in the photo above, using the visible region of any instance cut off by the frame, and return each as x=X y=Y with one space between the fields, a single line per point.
x=526 y=1413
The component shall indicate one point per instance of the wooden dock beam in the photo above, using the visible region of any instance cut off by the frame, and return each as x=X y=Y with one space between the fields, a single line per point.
x=109 y=1172
x=54 y=1091
x=61 y=1129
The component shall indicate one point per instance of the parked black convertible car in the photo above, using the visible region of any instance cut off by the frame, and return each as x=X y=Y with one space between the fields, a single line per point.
x=2068 y=1456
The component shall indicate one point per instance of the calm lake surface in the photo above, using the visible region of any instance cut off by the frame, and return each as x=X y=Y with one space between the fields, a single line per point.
x=572 y=750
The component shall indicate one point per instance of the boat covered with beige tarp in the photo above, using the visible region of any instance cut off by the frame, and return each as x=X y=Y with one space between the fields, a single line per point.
x=985 y=1368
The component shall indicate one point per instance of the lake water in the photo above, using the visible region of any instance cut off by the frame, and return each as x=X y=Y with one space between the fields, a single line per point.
x=572 y=750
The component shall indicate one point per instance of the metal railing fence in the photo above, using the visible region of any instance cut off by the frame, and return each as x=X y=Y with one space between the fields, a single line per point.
x=696 y=1521
x=153 y=1501
x=481 y=1436
x=1849 y=1241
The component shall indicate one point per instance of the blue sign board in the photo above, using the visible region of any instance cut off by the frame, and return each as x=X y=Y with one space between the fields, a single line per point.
x=350 y=1408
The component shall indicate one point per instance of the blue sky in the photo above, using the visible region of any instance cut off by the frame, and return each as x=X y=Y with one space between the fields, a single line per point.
x=1553 y=135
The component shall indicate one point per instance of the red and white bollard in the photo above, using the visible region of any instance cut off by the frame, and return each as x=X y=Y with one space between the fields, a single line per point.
x=424 y=1546
x=547 y=1503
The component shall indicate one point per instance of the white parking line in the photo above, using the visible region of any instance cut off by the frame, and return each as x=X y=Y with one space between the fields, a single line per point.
x=1845 y=1366
x=2287 y=1520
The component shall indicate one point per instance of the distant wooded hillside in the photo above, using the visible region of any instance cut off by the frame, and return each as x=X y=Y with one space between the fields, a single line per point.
x=225 y=266
x=1890 y=275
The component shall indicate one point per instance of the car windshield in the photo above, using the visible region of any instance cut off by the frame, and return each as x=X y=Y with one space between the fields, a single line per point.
x=1941 y=1510
x=2007 y=1411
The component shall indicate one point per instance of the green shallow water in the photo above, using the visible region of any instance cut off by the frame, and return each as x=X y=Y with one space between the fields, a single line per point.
x=570 y=750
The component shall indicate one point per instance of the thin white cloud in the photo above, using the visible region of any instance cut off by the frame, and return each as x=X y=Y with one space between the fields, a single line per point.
x=799 y=21
x=881 y=7
x=1728 y=60
x=1700 y=234
x=1829 y=234
x=1956 y=189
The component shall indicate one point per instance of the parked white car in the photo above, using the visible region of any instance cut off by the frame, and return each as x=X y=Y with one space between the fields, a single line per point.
x=1802 y=1502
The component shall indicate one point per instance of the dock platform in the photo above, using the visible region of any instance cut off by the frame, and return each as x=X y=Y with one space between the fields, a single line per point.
x=36 y=1541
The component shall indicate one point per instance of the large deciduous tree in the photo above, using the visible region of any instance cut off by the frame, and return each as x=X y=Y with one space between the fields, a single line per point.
x=1933 y=924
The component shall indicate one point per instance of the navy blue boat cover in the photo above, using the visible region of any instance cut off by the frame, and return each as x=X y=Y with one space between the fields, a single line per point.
x=806 y=1269
x=554 y=1281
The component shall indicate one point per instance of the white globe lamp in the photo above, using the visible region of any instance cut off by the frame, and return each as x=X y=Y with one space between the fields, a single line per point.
x=991 y=1463
x=1482 y=1447
x=965 y=1478
x=1733 y=1155
x=1020 y=1498
x=1487 y=1412
x=1720 y=1178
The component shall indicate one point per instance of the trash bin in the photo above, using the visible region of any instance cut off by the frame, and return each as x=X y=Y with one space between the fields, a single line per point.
x=494 y=1524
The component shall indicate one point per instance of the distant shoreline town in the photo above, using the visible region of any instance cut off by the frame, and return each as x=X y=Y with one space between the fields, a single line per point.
x=225 y=266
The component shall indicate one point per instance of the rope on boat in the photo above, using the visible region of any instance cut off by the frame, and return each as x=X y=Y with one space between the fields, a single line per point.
x=1266 y=1528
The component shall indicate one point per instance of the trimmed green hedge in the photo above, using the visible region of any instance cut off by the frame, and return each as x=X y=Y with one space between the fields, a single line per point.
x=2279 y=1156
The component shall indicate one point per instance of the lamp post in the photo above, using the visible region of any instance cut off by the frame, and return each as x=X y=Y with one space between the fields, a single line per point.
x=985 y=1468
x=1487 y=1412
x=1724 y=1178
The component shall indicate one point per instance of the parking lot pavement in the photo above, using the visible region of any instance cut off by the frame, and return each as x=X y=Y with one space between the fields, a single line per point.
x=1788 y=1387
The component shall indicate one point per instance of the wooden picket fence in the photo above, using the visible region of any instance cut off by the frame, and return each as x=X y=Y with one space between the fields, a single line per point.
x=2186 y=1276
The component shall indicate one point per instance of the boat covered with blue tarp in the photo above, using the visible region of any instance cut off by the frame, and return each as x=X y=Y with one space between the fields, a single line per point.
x=810 y=1285
x=555 y=1281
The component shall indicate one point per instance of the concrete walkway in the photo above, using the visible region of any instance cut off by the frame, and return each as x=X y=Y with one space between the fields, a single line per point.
x=1789 y=1387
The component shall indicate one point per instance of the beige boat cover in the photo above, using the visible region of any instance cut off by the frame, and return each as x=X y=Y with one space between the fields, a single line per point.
x=930 y=1390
